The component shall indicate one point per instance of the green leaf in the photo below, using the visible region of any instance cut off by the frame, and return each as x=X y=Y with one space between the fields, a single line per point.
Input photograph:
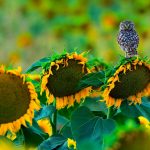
x=64 y=147
x=97 y=107
x=36 y=129
x=33 y=134
x=95 y=79
x=32 y=139
x=90 y=145
x=129 y=110
x=136 y=110
x=45 y=112
x=94 y=104
x=20 y=140
x=66 y=112
x=52 y=143
x=67 y=132
x=42 y=97
x=86 y=126
x=41 y=62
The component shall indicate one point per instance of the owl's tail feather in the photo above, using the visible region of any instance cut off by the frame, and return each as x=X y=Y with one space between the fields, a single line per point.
x=131 y=53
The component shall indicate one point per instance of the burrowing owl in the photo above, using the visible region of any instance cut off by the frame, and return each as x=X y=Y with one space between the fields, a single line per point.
x=128 y=38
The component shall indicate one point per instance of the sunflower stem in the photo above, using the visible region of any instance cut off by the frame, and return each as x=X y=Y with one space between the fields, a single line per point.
x=110 y=112
x=103 y=144
x=55 y=119
x=55 y=122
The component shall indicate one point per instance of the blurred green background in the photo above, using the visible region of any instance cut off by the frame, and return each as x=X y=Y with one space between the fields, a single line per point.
x=32 y=29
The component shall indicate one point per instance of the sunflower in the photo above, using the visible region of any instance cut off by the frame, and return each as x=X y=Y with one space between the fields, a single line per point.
x=61 y=79
x=128 y=136
x=131 y=140
x=71 y=144
x=131 y=81
x=18 y=100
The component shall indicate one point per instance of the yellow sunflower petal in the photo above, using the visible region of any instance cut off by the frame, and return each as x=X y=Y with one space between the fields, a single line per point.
x=2 y=69
x=50 y=99
x=144 y=121
x=71 y=143
x=71 y=100
x=45 y=125
x=59 y=103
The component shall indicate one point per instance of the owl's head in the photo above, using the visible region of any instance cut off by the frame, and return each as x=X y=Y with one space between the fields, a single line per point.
x=126 y=25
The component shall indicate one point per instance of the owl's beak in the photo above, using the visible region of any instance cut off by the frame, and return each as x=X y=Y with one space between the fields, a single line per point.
x=126 y=26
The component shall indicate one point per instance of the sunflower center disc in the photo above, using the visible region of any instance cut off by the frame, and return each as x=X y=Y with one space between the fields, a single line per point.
x=64 y=81
x=131 y=83
x=14 y=98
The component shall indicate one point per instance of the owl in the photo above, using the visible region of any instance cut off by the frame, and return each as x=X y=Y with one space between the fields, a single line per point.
x=128 y=39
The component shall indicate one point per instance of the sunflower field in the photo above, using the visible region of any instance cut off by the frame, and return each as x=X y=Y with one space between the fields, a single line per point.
x=74 y=75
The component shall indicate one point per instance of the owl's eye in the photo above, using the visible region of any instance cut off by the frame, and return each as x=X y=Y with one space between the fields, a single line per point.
x=122 y=26
x=131 y=26
x=126 y=25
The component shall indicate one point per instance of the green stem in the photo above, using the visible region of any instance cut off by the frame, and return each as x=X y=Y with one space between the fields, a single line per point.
x=111 y=112
x=103 y=144
x=55 y=119
x=108 y=113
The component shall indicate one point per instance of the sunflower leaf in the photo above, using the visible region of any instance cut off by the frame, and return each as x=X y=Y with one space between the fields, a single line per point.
x=90 y=145
x=46 y=111
x=31 y=138
x=86 y=126
x=64 y=147
x=35 y=129
x=95 y=105
x=40 y=63
x=52 y=143
x=92 y=79
x=20 y=139
x=66 y=132
x=136 y=110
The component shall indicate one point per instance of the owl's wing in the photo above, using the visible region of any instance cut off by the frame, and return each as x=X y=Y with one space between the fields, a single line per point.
x=122 y=40
x=134 y=41
x=128 y=41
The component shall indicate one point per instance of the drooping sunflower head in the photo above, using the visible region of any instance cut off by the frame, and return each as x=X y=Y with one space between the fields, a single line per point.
x=135 y=139
x=18 y=100
x=130 y=80
x=128 y=136
x=61 y=79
